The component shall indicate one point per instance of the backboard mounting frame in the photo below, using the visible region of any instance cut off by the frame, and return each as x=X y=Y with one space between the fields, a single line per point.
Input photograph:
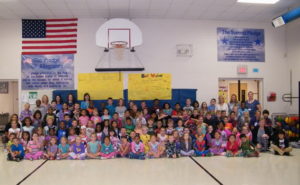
x=119 y=29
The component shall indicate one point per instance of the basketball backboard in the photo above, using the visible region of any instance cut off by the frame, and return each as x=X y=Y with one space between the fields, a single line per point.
x=118 y=37
x=119 y=30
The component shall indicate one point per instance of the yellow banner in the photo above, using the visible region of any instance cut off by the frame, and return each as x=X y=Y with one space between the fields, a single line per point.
x=100 y=86
x=149 y=86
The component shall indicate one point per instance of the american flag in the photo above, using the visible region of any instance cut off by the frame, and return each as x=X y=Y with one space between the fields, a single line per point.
x=49 y=36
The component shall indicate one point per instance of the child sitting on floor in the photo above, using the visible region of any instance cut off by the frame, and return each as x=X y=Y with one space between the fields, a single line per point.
x=248 y=150
x=51 y=149
x=137 y=149
x=77 y=149
x=232 y=147
x=186 y=148
x=93 y=147
x=107 y=149
x=281 y=144
x=200 y=147
x=124 y=147
x=171 y=148
x=63 y=149
x=155 y=150
x=34 y=148
x=216 y=147
x=16 y=152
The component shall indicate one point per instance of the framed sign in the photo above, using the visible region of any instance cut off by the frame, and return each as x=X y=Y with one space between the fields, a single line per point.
x=3 y=87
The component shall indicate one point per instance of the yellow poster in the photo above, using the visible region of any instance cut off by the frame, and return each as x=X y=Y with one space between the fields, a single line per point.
x=100 y=86
x=149 y=86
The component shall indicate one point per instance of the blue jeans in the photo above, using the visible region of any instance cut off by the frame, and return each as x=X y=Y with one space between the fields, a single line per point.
x=140 y=156
x=200 y=153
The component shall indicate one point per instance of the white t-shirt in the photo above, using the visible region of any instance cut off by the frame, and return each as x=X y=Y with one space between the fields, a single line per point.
x=16 y=130
x=223 y=107
x=28 y=129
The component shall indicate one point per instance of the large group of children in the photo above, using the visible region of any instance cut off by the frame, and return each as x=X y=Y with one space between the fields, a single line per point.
x=73 y=130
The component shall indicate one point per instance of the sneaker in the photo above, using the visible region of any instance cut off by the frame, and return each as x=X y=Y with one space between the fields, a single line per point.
x=18 y=160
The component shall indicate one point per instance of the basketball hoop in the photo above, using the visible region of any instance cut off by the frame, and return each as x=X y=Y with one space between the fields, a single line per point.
x=118 y=48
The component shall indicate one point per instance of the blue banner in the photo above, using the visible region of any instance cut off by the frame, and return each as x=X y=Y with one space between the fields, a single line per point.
x=241 y=45
x=47 y=72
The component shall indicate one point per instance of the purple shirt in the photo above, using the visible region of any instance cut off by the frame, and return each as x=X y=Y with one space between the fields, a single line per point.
x=25 y=114
x=78 y=149
x=52 y=148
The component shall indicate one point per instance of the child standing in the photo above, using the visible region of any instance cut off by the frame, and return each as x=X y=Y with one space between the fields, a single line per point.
x=137 y=149
x=26 y=112
x=34 y=148
x=77 y=150
x=107 y=149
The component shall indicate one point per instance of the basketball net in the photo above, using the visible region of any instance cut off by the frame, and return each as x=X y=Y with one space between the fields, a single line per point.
x=118 y=49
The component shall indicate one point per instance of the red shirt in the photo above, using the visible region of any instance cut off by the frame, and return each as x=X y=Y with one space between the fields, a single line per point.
x=234 y=148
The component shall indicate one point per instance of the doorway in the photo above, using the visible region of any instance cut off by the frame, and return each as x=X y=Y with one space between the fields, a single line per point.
x=9 y=100
x=240 y=87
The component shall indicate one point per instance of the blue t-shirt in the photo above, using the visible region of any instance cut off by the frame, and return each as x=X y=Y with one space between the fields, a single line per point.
x=60 y=134
x=18 y=148
x=211 y=108
x=84 y=105
x=93 y=147
x=252 y=107
x=111 y=109
x=64 y=149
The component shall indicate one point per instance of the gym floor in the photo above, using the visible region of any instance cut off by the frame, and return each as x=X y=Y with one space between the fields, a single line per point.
x=267 y=169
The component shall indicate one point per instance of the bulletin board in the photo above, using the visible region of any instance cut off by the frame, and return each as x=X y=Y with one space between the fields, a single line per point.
x=149 y=86
x=100 y=85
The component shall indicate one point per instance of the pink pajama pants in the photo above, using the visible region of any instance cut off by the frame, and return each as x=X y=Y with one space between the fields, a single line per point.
x=108 y=156
x=34 y=156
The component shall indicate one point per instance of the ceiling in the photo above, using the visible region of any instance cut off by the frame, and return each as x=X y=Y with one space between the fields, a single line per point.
x=156 y=9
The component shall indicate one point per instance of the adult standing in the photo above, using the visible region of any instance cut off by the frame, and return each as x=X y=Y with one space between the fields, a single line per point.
x=222 y=106
x=252 y=104
x=233 y=102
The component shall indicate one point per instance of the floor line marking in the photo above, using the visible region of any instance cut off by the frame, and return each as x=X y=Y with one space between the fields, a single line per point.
x=32 y=172
x=212 y=176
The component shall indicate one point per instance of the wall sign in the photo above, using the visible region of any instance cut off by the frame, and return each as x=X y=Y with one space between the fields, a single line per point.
x=241 y=45
x=47 y=72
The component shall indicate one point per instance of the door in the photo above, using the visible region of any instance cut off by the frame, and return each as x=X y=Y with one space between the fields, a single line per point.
x=234 y=89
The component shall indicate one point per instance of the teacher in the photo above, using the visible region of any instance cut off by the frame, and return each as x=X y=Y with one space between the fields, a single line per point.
x=252 y=105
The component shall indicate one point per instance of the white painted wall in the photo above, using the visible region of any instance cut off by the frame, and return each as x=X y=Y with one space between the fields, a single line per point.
x=158 y=54
x=293 y=54
x=8 y=101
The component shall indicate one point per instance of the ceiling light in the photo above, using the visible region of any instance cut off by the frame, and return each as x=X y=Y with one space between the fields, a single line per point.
x=258 y=1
